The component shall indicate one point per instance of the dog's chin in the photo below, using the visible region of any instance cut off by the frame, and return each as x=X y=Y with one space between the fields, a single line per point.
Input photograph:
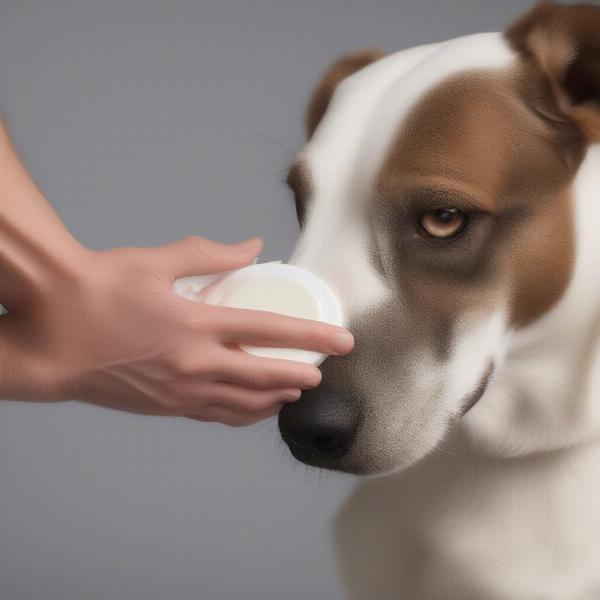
x=369 y=461
x=384 y=464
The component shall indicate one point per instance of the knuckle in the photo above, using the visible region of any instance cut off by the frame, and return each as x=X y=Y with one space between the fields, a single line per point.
x=193 y=240
x=205 y=248
x=184 y=366
x=208 y=368
x=258 y=325
x=192 y=321
x=202 y=320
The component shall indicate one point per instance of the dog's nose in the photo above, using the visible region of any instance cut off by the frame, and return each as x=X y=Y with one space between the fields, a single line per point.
x=320 y=427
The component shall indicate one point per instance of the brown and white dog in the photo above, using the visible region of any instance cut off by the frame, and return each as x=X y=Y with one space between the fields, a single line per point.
x=450 y=194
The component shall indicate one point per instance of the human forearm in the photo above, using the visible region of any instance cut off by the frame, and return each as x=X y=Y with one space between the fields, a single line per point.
x=34 y=242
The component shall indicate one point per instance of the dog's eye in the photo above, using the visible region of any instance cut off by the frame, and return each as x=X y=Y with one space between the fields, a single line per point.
x=443 y=223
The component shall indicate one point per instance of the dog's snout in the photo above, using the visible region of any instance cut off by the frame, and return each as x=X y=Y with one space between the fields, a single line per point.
x=320 y=428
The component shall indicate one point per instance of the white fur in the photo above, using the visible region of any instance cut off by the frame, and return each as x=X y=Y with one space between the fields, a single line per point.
x=517 y=514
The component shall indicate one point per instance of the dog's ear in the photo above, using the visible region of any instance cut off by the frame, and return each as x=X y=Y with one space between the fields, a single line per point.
x=563 y=42
x=339 y=70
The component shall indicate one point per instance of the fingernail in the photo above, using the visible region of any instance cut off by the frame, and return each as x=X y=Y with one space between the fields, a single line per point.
x=313 y=381
x=342 y=342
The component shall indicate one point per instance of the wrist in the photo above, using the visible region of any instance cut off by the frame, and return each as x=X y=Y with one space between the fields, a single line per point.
x=16 y=380
x=35 y=245
x=30 y=269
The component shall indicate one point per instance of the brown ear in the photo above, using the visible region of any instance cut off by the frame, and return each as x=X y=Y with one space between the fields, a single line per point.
x=564 y=42
x=341 y=68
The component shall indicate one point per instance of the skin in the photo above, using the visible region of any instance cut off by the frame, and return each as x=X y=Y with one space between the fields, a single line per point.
x=104 y=326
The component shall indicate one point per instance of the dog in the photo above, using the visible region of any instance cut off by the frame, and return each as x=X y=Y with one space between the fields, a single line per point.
x=450 y=195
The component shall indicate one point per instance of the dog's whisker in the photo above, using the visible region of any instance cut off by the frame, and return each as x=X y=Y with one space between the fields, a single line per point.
x=276 y=141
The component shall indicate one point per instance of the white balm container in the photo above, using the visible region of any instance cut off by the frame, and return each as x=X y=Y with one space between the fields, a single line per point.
x=273 y=287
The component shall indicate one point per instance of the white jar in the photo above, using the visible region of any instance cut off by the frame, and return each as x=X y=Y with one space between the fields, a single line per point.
x=273 y=287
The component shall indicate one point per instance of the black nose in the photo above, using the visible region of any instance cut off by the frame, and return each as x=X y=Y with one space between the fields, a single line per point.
x=320 y=427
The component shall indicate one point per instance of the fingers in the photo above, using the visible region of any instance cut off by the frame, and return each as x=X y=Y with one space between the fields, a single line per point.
x=237 y=406
x=195 y=255
x=260 y=328
x=259 y=373
x=232 y=418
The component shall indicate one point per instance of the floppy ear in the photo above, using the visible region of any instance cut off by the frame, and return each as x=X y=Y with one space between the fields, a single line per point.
x=339 y=70
x=563 y=41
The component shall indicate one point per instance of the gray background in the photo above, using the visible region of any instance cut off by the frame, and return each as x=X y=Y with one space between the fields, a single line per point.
x=145 y=121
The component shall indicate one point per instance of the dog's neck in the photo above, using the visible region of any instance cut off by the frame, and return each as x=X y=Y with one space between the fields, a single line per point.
x=542 y=395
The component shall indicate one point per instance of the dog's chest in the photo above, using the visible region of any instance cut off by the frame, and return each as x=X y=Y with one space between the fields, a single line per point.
x=459 y=529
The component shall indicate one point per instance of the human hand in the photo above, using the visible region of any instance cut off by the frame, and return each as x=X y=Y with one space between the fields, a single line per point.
x=110 y=331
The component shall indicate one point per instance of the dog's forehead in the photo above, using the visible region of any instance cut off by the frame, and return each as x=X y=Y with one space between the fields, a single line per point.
x=368 y=108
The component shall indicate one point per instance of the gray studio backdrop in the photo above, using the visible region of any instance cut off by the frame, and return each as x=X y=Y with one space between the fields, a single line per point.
x=145 y=121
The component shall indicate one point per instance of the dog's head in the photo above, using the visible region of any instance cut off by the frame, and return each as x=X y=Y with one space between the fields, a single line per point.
x=435 y=196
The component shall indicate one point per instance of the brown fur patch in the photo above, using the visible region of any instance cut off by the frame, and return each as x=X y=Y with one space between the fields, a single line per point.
x=474 y=142
x=341 y=68
x=543 y=258
x=564 y=43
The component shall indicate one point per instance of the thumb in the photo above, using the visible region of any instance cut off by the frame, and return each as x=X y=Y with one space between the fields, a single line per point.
x=196 y=255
